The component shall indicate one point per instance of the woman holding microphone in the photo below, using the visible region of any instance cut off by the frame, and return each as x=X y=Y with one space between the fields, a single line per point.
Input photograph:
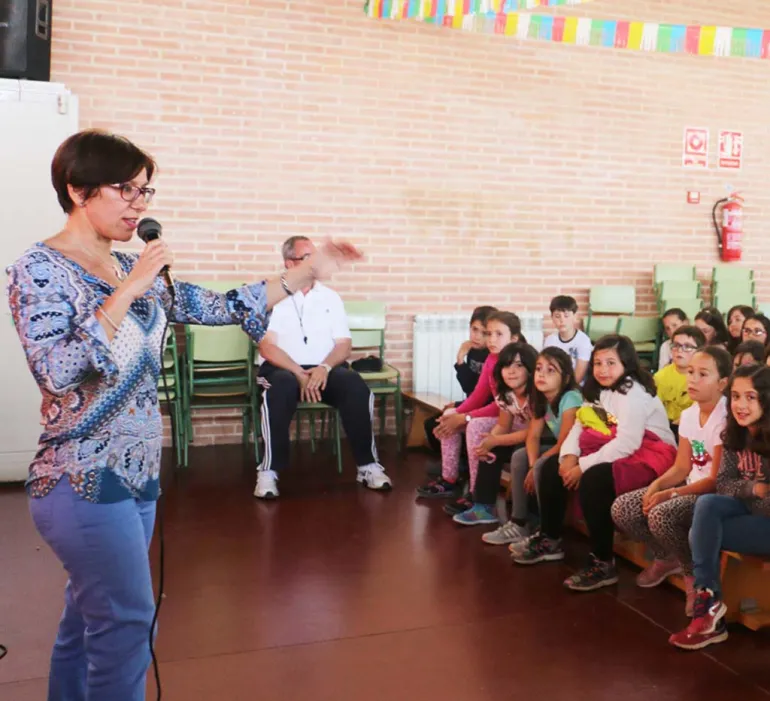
x=91 y=321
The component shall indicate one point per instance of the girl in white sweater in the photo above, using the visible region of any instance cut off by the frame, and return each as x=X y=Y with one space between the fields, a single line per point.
x=627 y=413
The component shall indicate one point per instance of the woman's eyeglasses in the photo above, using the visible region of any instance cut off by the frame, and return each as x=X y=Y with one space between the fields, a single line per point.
x=131 y=193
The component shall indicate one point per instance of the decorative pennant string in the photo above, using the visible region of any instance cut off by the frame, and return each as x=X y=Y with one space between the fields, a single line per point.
x=502 y=17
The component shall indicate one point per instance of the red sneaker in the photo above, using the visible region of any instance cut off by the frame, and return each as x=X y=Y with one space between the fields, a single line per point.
x=704 y=629
x=700 y=640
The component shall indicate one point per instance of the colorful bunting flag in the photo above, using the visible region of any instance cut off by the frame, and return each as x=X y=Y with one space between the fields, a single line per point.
x=504 y=17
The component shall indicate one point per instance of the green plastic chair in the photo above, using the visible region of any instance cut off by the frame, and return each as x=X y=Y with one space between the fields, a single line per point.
x=219 y=364
x=605 y=305
x=612 y=299
x=367 y=322
x=602 y=325
x=643 y=332
x=325 y=411
x=689 y=306
x=725 y=301
x=170 y=393
x=681 y=289
x=733 y=287
x=731 y=272
x=663 y=272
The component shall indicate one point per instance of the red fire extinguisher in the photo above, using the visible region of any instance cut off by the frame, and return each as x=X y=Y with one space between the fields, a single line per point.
x=730 y=233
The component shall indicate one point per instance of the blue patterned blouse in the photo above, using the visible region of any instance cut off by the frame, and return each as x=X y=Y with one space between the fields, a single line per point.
x=102 y=422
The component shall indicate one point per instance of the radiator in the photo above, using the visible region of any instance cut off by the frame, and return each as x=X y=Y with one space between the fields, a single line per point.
x=437 y=338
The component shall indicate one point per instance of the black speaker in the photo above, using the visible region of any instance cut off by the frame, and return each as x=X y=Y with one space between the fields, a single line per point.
x=25 y=39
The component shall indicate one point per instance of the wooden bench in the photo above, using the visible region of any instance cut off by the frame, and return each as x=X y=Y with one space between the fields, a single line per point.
x=745 y=578
x=746 y=589
x=423 y=406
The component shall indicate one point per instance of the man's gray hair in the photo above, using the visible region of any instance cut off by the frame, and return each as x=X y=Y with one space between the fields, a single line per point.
x=287 y=250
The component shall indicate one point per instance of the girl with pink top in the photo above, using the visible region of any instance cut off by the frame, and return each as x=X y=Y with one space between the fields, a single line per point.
x=475 y=417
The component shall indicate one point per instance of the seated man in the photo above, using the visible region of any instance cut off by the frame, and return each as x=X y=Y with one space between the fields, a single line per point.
x=304 y=356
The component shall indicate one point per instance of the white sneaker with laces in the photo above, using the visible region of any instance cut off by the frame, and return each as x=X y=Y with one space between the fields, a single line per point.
x=373 y=476
x=507 y=533
x=267 y=487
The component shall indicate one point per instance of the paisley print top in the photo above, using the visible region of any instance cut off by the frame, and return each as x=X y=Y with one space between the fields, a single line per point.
x=101 y=421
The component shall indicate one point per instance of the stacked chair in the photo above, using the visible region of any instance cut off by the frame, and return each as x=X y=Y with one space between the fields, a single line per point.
x=219 y=373
x=676 y=285
x=732 y=285
x=611 y=309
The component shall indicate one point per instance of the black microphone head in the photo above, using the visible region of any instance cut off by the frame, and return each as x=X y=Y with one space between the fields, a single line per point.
x=149 y=229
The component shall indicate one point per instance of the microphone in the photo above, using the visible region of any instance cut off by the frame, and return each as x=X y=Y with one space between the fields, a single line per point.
x=148 y=230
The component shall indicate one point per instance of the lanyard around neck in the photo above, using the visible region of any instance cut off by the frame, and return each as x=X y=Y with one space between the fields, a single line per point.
x=300 y=317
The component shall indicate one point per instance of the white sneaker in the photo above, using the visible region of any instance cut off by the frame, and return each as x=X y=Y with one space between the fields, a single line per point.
x=373 y=476
x=266 y=485
x=507 y=533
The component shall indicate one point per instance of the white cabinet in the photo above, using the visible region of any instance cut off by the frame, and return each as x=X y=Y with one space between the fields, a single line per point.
x=35 y=118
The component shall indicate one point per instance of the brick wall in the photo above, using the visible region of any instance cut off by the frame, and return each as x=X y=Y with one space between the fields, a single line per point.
x=471 y=168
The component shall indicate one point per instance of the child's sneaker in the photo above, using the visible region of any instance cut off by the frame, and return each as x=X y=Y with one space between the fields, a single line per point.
x=657 y=572
x=595 y=575
x=437 y=489
x=697 y=641
x=477 y=515
x=705 y=628
x=539 y=549
x=458 y=506
x=509 y=532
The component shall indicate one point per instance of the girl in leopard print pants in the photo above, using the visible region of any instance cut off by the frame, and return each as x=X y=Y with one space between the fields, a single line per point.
x=660 y=515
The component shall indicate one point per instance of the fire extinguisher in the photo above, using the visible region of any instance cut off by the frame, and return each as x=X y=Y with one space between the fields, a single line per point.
x=730 y=233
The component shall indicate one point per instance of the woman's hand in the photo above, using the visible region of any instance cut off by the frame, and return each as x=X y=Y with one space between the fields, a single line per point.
x=572 y=478
x=328 y=259
x=155 y=256
x=448 y=425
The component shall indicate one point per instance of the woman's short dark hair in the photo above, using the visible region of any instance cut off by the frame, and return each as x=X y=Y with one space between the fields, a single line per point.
x=632 y=369
x=509 y=319
x=712 y=317
x=737 y=437
x=482 y=314
x=754 y=348
x=561 y=359
x=528 y=357
x=93 y=158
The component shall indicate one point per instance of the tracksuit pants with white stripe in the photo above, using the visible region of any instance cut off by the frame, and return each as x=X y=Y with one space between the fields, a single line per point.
x=345 y=391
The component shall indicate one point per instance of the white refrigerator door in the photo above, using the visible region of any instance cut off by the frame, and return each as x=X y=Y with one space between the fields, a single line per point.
x=35 y=118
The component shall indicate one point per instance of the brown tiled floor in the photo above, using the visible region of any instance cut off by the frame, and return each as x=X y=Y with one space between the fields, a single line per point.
x=336 y=593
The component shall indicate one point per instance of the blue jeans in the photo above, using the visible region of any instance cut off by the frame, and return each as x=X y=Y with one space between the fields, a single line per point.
x=102 y=650
x=724 y=523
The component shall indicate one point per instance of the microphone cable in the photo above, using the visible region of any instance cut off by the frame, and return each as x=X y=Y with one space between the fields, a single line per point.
x=161 y=499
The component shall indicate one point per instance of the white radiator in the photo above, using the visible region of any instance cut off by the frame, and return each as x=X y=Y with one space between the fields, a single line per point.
x=437 y=338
